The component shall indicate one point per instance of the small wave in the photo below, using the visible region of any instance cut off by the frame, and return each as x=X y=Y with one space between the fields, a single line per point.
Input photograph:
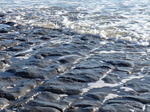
x=124 y=19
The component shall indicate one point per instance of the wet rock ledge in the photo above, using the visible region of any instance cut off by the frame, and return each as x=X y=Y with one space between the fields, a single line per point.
x=51 y=70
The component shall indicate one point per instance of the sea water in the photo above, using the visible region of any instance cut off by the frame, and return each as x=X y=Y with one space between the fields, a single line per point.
x=109 y=19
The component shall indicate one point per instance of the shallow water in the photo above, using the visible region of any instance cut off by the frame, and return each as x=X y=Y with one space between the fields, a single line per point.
x=123 y=19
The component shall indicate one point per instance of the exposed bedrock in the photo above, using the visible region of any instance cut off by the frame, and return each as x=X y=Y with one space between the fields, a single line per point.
x=51 y=70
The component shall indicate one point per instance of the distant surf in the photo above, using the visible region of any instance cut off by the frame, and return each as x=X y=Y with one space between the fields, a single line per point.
x=110 y=19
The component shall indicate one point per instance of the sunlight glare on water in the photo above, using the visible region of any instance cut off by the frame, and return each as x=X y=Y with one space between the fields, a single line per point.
x=118 y=19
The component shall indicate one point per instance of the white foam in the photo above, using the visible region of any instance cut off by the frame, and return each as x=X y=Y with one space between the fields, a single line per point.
x=45 y=24
x=132 y=77
x=126 y=89
x=125 y=19
x=32 y=97
x=110 y=96
x=25 y=51
x=3 y=106
x=103 y=42
x=63 y=95
x=5 y=66
x=10 y=87
x=24 y=57
x=100 y=83
x=61 y=40
x=120 y=52
x=110 y=52
x=131 y=110
x=144 y=107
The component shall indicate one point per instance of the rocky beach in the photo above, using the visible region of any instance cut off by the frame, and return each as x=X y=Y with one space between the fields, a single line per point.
x=51 y=69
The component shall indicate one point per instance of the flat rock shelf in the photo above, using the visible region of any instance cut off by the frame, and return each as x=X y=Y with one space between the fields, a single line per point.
x=54 y=70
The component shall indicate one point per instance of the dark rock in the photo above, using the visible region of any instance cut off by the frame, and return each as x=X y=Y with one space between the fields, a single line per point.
x=42 y=63
x=7 y=110
x=87 y=103
x=147 y=108
x=62 y=88
x=10 y=44
x=62 y=77
x=125 y=69
x=11 y=70
x=84 y=38
x=39 y=109
x=4 y=28
x=4 y=55
x=16 y=48
x=20 y=89
x=30 y=43
x=92 y=63
x=22 y=55
x=120 y=74
x=47 y=97
x=6 y=61
x=39 y=32
x=112 y=78
x=7 y=95
x=122 y=105
x=68 y=59
x=9 y=78
x=19 y=26
x=38 y=56
x=29 y=73
x=101 y=93
x=81 y=109
x=10 y=23
x=144 y=98
x=83 y=75
x=2 y=15
x=61 y=106
x=3 y=103
x=63 y=68
x=79 y=77
x=97 y=95
x=50 y=66
x=139 y=85
x=45 y=38
x=121 y=63
x=3 y=31
x=89 y=109
x=79 y=49
x=53 y=52
x=1 y=65
x=22 y=39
